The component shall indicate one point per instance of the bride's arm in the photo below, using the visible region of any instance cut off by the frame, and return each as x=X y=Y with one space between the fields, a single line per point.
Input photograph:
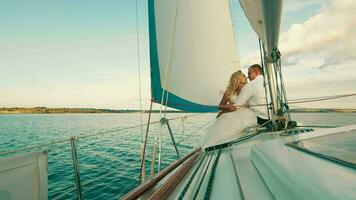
x=223 y=101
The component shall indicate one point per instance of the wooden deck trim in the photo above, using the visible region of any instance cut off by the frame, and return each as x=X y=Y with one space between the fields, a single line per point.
x=144 y=187
x=164 y=191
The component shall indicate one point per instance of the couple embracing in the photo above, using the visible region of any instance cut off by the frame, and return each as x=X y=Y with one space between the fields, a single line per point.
x=243 y=105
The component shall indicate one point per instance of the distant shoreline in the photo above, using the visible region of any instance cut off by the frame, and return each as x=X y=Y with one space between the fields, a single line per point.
x=45 y=110
x=321 y=110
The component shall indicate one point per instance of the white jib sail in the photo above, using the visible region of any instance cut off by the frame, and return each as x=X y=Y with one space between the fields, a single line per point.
x=196 y=48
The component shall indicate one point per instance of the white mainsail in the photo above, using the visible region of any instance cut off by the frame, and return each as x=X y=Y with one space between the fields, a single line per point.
x=195 y=49
x=254 y=13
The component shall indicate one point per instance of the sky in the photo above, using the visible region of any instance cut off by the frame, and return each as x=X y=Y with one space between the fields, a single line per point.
x=85 y=53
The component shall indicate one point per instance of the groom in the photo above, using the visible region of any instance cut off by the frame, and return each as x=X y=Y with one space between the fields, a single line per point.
x=253 y=93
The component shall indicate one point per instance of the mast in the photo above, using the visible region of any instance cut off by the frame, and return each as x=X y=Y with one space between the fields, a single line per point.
x=275 y=90
x=271 y=13
x=277 y=94
x=265 y=18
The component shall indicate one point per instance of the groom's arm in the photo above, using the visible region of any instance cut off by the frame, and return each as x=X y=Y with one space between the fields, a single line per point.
x=245 y=94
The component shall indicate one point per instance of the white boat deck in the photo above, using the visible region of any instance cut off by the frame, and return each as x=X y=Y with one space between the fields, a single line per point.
x=263 y=167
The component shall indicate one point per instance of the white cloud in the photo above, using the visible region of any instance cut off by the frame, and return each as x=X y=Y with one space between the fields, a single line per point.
x=296 y=6
x=332 y=31
x=319 y=55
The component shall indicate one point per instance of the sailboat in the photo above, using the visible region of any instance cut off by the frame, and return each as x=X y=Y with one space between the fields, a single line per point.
x=192 y=55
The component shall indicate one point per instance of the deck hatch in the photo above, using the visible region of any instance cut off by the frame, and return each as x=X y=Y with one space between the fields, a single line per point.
x=339 y=147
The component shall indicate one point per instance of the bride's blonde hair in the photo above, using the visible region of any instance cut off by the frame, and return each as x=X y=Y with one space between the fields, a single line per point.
x=235 y=84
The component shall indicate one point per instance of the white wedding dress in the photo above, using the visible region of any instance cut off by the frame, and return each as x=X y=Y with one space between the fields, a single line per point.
x=229 y=125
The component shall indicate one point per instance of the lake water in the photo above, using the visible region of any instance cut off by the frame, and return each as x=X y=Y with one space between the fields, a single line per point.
x=110 y=163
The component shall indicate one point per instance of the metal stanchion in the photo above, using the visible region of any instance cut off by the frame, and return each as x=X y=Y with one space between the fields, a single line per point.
x=73 y=141
x=165 y=121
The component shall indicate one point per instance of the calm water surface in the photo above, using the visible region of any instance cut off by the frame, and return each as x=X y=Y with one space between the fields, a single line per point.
x=109 y=164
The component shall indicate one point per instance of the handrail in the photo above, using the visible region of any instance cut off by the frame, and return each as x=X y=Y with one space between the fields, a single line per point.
x=73 y=139
x=34 y=146
x=84 y=184
x=65 y=193
x=85 y=136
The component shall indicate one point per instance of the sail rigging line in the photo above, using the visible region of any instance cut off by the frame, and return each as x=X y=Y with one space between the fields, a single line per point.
x=318 y=126
x=323 y=99
x=183 y=126
x=296 y=101
x=166 y=104
x=143 y=156
x=282 y=104
x=271 y=86
x=318 y=99
x=165 y=92
x=264 y=74
x=196 y=130
x=142 y=174
x=284 y=92
x=153 y=160
x=169 y=61
x=311 y=100
x=278 y=83
x=139 y=69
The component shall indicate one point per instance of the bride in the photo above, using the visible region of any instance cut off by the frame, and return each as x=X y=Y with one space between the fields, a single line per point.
x=231 y=120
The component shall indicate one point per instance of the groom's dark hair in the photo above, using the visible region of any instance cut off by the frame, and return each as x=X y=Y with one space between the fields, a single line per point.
x=257 y=67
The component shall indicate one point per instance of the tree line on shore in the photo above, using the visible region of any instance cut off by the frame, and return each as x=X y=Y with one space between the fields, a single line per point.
x=45 y=110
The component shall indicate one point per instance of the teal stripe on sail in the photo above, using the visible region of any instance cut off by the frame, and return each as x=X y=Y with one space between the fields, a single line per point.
x=156 y=88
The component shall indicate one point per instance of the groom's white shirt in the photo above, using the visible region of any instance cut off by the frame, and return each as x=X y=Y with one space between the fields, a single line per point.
x=253 y=93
